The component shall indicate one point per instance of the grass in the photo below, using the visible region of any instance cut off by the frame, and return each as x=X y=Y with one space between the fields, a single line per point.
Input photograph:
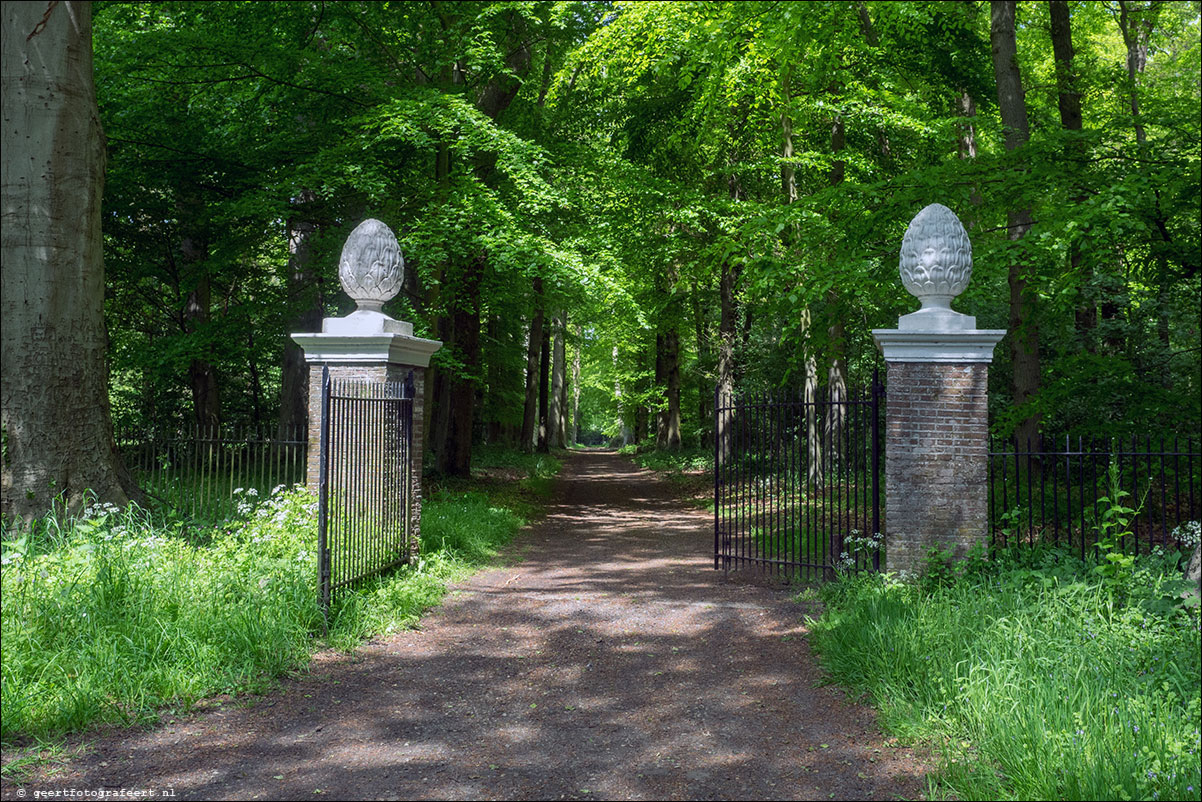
x=110 y=616
x=1036 y=677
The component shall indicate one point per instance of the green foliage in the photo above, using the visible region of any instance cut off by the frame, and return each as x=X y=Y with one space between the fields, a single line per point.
x=636 y=165
x=1031 y=677
x=677 y=462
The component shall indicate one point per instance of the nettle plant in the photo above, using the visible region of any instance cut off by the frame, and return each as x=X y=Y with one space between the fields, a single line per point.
x=1113 y=527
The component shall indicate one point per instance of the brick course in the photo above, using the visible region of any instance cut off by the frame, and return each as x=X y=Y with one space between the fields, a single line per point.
x=936 y=491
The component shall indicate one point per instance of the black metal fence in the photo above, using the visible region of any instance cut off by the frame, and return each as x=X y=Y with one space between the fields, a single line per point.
x=365 y=498
x=797 y=483
x=205 y=472
x=1060 y=493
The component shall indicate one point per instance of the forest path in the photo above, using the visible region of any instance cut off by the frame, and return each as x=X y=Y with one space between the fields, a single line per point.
x=607 y=660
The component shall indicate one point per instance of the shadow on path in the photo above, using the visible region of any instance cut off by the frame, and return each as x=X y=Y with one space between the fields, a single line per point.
x=610 y=662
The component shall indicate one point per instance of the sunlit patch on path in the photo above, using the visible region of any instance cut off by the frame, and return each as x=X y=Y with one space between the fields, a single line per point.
x=610 y=661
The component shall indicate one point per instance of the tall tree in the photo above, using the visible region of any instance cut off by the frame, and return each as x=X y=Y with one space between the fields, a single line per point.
x=534 y=344
x=1024 y=331
x=57 y=427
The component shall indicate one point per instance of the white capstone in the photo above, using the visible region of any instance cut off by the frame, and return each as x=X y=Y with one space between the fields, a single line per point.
x=373 y=349
x=371 y=267
x=968 y=345
x=936 y=257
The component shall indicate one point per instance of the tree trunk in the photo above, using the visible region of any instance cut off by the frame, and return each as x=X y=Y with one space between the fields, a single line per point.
x=564 y=423
x=576 y=384
x=555 y=408
x=194 y=257
x=455 y=459
x=809 y=360
x=304 y=291
x=1136 y=23
x=726 y=349
x=661 y=413
x=672 y=375
x=836 y=385
x=529 y=436
x=705 y=392
x=1069 y=100
x=57 y=425
x=1024 y=333
x=544 y=379
x=967 y=141
x=624 y=431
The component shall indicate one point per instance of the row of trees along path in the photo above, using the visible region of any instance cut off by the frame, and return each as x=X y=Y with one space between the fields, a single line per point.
x=604 y=208
x=606 y=659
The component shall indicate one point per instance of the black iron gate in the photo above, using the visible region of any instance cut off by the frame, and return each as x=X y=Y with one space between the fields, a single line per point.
x=365 y=482
x=798 y=482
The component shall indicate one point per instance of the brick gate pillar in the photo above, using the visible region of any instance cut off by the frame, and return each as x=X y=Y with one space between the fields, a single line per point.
x=936 y=415
x=368 y=345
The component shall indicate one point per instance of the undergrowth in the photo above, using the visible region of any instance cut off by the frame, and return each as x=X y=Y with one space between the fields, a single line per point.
x=113 y=615
x=1035 y=675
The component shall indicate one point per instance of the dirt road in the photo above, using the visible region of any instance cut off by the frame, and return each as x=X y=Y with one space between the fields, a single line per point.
x=611 y=661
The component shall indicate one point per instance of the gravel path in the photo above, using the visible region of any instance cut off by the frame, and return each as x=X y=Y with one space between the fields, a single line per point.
x=611 y=661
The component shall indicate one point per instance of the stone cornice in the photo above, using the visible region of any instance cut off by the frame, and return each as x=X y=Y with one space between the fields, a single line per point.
x=971 y=345
x=398 y=349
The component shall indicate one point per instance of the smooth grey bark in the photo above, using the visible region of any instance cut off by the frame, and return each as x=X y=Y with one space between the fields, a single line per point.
x=576 y=385
x=966 y=107
x=727 y=331
x=555 y=407
x=672 y=376
x=534 y=341
x=623 y=429
x=544 y=399
x=1024 y=331
x=57 y=426
x=564 y=423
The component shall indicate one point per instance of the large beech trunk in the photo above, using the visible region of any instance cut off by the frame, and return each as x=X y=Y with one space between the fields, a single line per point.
x=57 y=427
x=1024 y=333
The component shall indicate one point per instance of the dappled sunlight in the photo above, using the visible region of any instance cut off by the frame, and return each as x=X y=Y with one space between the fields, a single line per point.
x=612 y=661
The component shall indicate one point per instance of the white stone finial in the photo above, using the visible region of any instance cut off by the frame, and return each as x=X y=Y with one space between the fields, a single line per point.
x=371 y=267
x=936 y=257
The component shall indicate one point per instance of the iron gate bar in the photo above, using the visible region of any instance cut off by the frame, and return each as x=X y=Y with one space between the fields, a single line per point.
x=789 y=479
x=1161 y=481
x=365 y=481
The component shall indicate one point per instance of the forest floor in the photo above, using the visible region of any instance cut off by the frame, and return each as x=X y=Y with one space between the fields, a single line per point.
x=605 y=658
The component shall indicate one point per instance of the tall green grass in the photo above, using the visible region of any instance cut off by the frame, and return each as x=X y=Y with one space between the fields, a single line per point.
x=112 y=615
x=1036 y=677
